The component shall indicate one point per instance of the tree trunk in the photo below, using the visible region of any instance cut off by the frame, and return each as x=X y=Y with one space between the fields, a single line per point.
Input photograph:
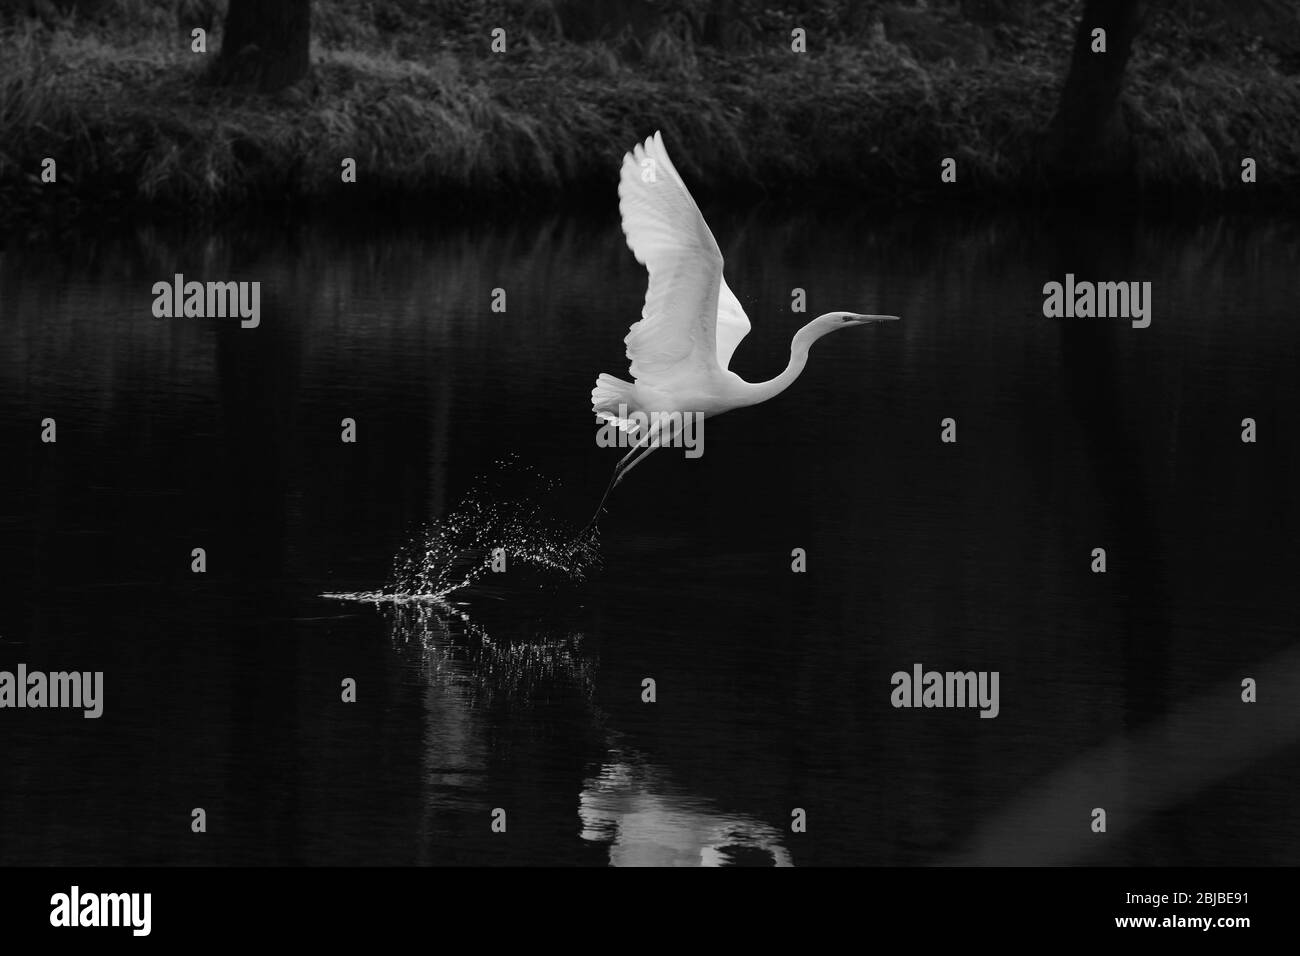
x=265 y=44
x=1089 y=138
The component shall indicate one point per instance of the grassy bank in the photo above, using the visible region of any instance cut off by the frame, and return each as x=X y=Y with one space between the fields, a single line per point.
x=126 y=113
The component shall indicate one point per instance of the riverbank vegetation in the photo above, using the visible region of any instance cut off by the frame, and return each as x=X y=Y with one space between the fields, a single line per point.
x=414 y=92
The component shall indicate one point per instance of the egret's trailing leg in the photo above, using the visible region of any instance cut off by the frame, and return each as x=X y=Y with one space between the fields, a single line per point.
x=643 y=445
x=622 y=462
x=613 y=480
x=603 y=498
x=621 y=470
x=657 y=443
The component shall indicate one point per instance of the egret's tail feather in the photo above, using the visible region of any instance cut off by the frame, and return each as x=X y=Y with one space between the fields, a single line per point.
x=612 y=399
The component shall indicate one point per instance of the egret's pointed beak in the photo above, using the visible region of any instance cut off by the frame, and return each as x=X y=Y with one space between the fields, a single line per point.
x=864 y=319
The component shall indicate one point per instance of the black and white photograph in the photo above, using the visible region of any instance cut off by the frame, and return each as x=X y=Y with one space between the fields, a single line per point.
x=846 y=435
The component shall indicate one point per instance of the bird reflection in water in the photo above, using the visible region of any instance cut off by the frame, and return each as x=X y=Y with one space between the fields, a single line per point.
x=648 y=822
x=631 y=805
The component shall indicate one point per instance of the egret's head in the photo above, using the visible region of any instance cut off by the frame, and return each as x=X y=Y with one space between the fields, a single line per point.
x=841 y=320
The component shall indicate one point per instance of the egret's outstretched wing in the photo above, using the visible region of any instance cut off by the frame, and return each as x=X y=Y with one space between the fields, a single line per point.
x=733 y=324
x=688 y=323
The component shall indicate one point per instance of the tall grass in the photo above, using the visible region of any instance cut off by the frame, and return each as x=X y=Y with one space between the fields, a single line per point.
x=126 y=113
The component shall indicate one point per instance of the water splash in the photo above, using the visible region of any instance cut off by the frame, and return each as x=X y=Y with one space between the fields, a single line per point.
x=498 y=513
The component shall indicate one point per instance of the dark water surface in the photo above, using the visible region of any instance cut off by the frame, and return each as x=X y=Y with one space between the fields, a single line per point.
x=222 y=690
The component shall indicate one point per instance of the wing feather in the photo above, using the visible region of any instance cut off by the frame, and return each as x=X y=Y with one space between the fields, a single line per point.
x=691 y=321
x=733 y=324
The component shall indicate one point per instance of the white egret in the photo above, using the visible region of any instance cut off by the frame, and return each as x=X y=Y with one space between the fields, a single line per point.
x=691 y=322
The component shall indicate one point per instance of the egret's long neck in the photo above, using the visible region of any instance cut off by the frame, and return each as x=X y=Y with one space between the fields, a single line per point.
x=762 y=391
